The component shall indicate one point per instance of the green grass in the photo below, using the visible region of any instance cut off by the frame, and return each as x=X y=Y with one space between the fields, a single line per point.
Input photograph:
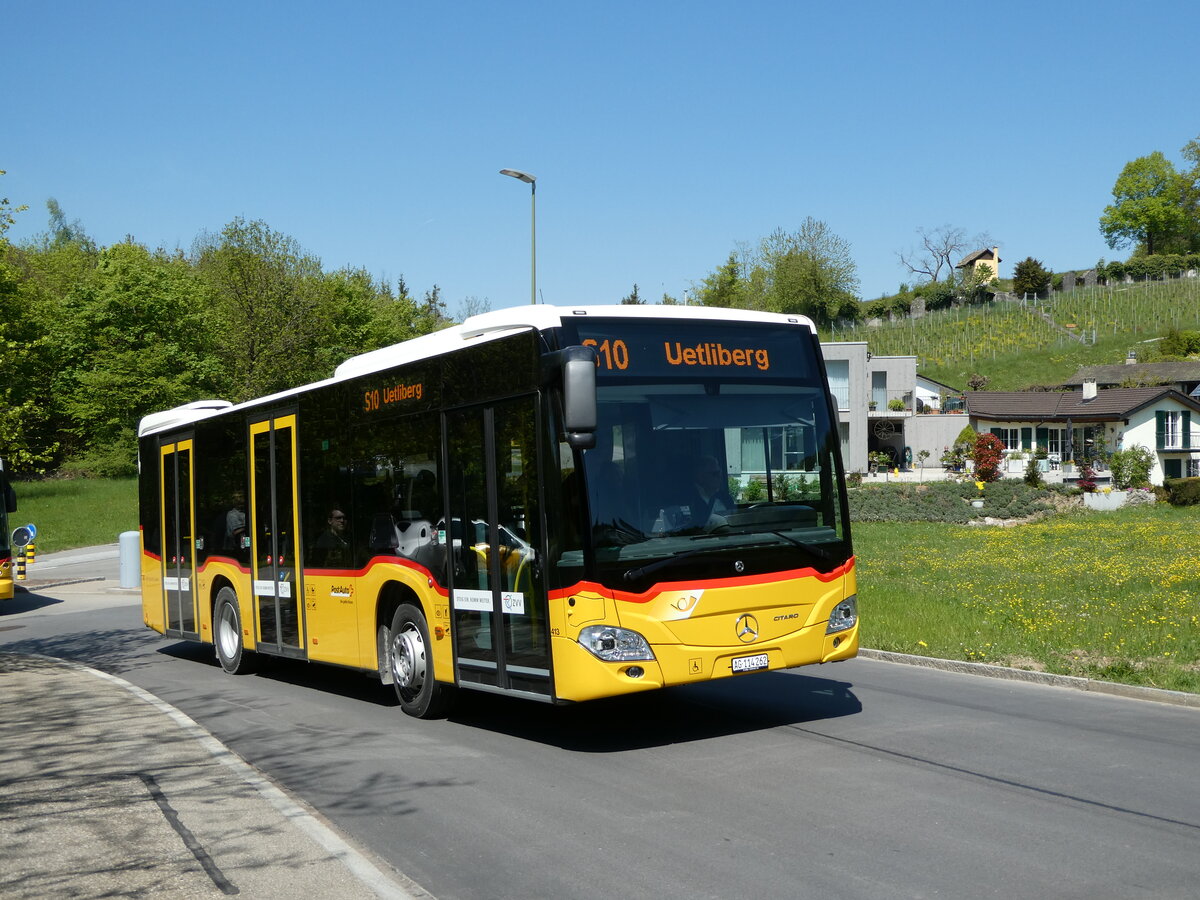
x=1113 y=596
x=76 y=512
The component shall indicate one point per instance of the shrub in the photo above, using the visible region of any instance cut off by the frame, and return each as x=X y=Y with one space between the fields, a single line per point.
x=1182 y=491
x=988 y=451
x=896 y=404
x=1131 y=467
x=945 y=501
x=755 y=490
x=1033 y=474
x=1087 y=478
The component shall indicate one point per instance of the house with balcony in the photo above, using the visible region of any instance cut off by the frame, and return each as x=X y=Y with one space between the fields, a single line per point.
x=1073 y=426
x=885 y=406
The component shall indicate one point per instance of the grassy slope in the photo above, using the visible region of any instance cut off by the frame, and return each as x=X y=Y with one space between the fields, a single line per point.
x=1015 y=347
x=80 y=512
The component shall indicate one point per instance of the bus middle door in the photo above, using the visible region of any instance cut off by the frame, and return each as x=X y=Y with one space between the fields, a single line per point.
x=498 y=597
x=274 y=526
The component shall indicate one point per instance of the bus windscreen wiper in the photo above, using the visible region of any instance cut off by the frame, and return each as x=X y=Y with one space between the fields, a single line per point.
x=641 y=571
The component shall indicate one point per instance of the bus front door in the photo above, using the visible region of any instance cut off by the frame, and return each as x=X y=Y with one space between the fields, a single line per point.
x=498 y=598
x=274 y=510
x=179 y=543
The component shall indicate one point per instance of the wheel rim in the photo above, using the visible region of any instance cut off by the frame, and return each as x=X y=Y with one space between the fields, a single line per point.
x=227 y=633
x=408 y=661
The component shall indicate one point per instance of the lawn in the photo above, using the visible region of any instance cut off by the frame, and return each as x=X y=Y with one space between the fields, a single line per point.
x=76 y=512
x=1114 y=596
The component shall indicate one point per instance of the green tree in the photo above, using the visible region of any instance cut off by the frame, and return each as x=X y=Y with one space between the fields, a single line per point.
x=633 y=298
x=1030 y=277
x=723 y=287
x=808 y=272
x=23 y=419
x=142 y=341
x=267 y=300
x=1148 y=211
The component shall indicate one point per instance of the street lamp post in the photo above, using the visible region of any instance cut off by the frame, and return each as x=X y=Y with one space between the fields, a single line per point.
x=530 y=180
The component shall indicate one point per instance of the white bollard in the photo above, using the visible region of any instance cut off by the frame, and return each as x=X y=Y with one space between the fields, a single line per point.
x=131 y=559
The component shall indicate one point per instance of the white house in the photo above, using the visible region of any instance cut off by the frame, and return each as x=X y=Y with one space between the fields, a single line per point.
x=1073 y=425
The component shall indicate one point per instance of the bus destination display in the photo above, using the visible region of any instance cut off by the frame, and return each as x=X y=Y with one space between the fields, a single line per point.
x=627 y=348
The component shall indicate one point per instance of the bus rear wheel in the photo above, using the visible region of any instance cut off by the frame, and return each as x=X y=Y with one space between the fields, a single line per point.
x=411 y=659
x=227 y=635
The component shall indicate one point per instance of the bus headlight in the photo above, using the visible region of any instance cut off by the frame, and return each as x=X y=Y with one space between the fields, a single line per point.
x=613 y=644
x=844 y=615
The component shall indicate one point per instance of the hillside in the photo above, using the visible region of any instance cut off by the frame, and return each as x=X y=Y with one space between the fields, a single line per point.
x=1017 y=345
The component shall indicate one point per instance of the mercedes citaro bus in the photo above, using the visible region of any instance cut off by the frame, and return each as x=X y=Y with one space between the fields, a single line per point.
x=557 y=503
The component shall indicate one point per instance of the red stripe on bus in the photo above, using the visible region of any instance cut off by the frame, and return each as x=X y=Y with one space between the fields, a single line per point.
x=741 y=581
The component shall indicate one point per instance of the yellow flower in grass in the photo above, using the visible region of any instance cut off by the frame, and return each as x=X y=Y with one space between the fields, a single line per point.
x=980 y=485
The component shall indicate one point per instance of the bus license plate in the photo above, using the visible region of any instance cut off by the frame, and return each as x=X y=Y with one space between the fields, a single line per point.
x=750 y=663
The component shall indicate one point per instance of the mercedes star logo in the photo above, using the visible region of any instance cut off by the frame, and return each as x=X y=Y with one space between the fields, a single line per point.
x=747 y=629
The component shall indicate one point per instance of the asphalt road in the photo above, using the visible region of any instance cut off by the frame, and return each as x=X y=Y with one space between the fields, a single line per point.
x=862 y=779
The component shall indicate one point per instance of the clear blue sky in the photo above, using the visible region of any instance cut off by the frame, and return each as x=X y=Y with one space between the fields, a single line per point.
x=662 y=134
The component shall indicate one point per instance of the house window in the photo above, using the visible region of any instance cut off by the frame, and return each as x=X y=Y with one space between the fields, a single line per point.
x=879 y=389
x=1010 y=436
x=1193 y=467
x=838 y=371
x=1054 y=440
x=1171 y=429
x=785 y=444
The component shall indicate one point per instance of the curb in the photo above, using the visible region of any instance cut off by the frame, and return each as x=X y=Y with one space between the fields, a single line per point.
x=1111 y=688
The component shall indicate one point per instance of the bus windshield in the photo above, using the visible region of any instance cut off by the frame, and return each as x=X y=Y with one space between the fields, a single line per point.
x=694 y=472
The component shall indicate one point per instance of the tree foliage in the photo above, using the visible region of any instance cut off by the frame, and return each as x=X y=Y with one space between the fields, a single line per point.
x=94 y=338
x=809 y=271
x=1156 y=207
x=633 y=298
x=1030 y=277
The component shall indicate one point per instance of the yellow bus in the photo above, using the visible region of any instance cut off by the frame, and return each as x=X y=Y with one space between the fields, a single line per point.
x=556 y=503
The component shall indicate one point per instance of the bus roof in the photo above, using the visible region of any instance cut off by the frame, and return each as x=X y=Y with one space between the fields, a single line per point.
x=478 y=329
x=503 y=322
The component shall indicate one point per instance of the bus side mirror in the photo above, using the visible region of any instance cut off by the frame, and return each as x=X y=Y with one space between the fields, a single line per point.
x=10 y=498
x=579 y=396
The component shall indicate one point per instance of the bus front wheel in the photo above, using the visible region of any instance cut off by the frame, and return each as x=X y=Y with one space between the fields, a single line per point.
x=411 y=660
x=227 y=635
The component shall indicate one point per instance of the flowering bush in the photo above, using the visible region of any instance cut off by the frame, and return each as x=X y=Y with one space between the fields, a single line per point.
x=989 y=450
x=1087 y=478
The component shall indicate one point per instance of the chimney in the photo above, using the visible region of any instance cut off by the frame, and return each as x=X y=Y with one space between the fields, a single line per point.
x=1089 y=389
x=1131 y=358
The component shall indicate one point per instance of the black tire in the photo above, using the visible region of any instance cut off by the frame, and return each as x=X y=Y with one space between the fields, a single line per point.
x=227 y=635
x=412 y=666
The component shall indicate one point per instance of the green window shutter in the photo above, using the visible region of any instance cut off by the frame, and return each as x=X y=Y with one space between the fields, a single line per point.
x=999 y=432
x=1026 y=438
x=1186 y=427
x=1160 y=428
x=1172 y=468
x=1043 y=437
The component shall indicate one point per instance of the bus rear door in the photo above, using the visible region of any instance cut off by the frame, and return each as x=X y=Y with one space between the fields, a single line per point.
x=274 y=527
x=179 y=544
